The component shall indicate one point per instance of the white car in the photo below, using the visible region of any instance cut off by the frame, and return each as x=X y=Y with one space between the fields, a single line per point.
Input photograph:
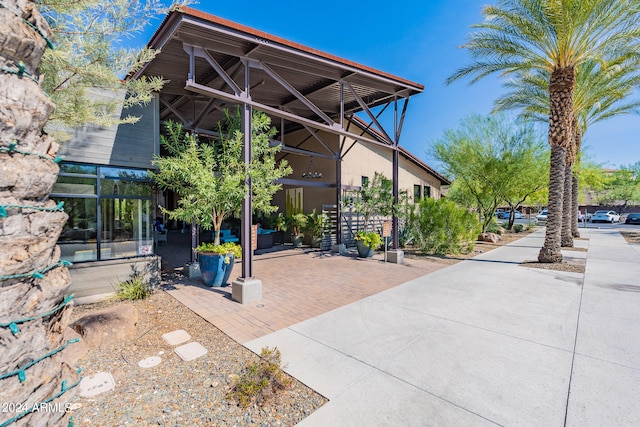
x=542 y=216
x=605 y=216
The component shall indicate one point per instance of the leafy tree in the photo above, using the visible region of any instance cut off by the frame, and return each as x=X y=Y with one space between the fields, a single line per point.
x=492 y=161
x=623 y=187
x=89 y=57
x=374 y=199
x=210 y=175
x=556 y=37
x=593 y=179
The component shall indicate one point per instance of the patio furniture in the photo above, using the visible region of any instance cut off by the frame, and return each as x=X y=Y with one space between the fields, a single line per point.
x=227 y=236
x=159 y=236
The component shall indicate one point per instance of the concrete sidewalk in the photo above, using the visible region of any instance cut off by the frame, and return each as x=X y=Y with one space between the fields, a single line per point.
x=483 y=342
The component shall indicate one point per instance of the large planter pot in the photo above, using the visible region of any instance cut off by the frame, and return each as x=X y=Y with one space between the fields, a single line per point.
x=316 y=242
x=296 y=240
x=214 y=270
x=363 y=250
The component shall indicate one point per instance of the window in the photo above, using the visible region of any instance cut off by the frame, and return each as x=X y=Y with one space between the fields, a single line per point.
x=427 y=191
x=109 y=212
x=417 y=193
x=364 y=181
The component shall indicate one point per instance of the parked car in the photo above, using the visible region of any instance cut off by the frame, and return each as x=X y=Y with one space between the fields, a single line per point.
x=584 y=216
x=605 y=216
x=542 y=216
x=632 y=218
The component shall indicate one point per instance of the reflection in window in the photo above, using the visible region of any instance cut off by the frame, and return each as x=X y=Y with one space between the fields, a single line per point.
x=108 y=217
x=78 y=240
x=126 y=227
x=417 y=193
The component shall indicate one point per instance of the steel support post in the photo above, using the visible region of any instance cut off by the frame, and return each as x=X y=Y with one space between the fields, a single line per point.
x=247 y=252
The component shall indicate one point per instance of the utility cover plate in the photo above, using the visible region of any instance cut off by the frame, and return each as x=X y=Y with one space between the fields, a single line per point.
x=96 y=384
x=176 y=337
x=150 y=362
x=190 y=351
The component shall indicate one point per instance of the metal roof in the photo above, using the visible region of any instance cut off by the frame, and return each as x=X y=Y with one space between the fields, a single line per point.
x=285 y=76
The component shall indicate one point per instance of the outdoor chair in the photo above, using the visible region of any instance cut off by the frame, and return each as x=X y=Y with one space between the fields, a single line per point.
x=159 y=236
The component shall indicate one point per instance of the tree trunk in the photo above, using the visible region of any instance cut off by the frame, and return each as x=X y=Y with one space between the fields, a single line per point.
x=561 y=86
x=576 y=206
x=577 y=134
x=34 y=281
x=551 y=251
x=566 y=238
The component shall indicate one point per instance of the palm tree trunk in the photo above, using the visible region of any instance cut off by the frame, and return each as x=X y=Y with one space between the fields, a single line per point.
x=34 y=281
x=551 y=251
x=561 y=86
x=574 y=184
x=566 y=238
x=576 y=206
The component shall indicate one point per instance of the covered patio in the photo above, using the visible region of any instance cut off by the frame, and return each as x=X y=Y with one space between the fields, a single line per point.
x=211 y=64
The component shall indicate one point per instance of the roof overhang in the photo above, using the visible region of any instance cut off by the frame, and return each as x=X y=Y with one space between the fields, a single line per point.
x=210 y=63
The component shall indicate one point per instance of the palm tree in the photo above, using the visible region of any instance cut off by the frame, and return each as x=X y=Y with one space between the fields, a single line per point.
x=599 y=95
x=33 y=310
x=556 y=37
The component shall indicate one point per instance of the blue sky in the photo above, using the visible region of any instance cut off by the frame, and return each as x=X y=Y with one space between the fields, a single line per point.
x=416 y=40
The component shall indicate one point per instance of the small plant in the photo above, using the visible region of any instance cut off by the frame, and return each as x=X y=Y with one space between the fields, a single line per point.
x=494 y=227
x=277 y=222
x=297 y=223
x=370 y=239
x=133 y=289
x=314 y=225
x=261 y=380
x=518 y=228
x=228 y=248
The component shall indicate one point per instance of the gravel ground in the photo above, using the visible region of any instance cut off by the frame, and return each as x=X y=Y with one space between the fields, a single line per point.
x=178 y=393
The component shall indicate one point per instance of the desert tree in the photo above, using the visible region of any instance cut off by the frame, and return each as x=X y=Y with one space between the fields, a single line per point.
x=492 y=160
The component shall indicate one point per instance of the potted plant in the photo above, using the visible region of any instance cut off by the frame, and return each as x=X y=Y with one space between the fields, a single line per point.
x=313 y=229
x=279 y=224
x=367 y=242
x=216 y=261
x=297 y=222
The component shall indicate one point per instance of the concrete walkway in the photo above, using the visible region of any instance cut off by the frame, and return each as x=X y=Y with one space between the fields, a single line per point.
x=483 y=342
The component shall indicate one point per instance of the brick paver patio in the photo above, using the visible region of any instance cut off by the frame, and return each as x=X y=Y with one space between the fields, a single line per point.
x=297 y=284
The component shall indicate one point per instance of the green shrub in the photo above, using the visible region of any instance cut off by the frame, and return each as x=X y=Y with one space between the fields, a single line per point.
x=370 y=239
x=228 y=248
x=133 y=289
x=518 y=228
x=494 y=227
x=442 y=227
x=261 y=380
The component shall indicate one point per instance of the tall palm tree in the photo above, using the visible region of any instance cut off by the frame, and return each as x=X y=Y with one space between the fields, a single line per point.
x=554 y=36
x=33 y=281
x=600 y=94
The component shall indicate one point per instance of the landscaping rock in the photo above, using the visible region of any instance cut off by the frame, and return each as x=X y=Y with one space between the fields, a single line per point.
x=75 y=351
x=107 y=327
x=490 y=237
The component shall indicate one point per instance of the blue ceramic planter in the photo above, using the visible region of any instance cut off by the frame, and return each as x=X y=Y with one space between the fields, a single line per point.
x=363 y=250
x=214 y=271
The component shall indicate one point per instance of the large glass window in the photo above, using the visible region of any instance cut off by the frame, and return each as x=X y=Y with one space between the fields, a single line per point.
x=109 y=212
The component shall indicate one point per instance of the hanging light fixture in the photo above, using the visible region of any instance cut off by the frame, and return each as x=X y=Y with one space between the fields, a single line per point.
x=311 y=174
